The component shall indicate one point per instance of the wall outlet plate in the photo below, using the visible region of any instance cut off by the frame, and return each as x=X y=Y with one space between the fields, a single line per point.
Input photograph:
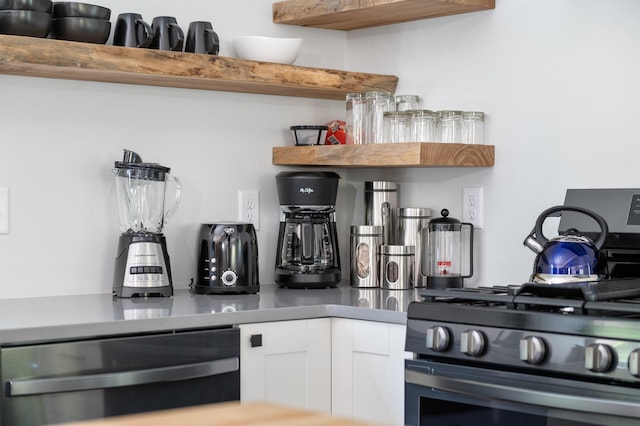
x=249 y=207
x=472 y=205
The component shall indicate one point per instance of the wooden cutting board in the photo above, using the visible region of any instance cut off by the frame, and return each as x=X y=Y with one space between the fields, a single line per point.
x=226 y=414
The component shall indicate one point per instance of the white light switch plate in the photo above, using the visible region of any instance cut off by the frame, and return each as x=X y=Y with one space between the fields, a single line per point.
x=4 y=210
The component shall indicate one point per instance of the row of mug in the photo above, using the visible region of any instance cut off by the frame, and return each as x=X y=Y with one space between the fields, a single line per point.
x=164 y=33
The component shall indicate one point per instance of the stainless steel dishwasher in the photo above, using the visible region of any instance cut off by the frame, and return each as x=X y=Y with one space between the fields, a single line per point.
x=69 y=381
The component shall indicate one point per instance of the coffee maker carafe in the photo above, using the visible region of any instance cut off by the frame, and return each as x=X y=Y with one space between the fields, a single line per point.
x=142 y=262
x=307 y=253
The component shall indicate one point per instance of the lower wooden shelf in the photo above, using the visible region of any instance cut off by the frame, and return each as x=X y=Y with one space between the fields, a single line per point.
x=411 y=154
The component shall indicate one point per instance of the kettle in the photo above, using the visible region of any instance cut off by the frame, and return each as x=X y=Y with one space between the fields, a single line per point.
x=568 y=257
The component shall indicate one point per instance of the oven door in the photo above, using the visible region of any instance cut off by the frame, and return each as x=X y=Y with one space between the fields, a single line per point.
x=439 y=394
x=73 y=381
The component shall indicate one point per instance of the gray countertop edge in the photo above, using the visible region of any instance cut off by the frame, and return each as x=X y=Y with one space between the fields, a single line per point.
x=151 y=325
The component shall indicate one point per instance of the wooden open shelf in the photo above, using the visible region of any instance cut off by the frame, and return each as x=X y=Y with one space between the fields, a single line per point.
x=39 y=57
x=355 y=14
x=412 y=154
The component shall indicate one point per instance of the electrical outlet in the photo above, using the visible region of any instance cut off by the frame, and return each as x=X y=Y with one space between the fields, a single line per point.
x=4 y=210
x=249 y=207
x=472 y=205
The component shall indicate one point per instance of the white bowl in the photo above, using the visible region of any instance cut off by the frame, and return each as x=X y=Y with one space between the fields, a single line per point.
x=267 y=49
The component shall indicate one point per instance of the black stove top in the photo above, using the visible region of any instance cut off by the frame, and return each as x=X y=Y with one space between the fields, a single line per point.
x=588 y=330
x=615 y=297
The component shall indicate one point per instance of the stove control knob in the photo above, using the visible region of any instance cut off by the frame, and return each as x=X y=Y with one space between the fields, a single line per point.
x=438 y=338
x=472 y=342
x=598 y=357
x=634 y=362
x=532 y=350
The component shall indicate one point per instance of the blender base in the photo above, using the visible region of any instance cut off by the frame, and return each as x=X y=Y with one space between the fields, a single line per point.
x=142 y=267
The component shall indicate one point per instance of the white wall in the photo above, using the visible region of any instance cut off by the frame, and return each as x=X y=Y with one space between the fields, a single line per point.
x=557 y=79
x=60 y=139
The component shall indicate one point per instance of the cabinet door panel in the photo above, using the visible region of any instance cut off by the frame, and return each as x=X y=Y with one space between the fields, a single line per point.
x=368 y=370
x=293 y=365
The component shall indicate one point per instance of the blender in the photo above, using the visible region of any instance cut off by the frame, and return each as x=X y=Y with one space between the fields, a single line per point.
x=307 y=255
x=142 y=262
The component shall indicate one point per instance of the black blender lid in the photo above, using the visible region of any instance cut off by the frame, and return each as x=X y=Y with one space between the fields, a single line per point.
x=132 y=160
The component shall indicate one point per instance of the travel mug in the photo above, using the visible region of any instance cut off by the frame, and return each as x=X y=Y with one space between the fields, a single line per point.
x=202 y=39
x=132 y=31
x=167 y=34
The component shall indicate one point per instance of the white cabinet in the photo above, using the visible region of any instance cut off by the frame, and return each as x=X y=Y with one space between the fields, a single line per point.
x=291 y=365
x=368 y=370
x=348 y=368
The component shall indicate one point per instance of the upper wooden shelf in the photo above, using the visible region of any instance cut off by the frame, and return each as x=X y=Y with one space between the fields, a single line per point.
x=412 y=154
x=355 y=14
x=40 y=57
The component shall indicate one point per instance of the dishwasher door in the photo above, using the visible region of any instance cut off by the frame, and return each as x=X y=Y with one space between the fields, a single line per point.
x=80 y=380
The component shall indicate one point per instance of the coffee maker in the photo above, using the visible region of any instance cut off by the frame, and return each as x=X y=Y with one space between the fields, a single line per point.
x=142 y=265
x=307 y=254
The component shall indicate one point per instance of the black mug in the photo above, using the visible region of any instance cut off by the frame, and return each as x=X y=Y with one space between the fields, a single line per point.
x=132 y=31
x=202 y=39
x=167 y=34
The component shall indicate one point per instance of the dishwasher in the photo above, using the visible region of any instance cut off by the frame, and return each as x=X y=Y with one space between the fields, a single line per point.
x=61 y=382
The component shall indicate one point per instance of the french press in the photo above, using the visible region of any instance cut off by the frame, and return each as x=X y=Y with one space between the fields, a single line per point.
x=446 y=242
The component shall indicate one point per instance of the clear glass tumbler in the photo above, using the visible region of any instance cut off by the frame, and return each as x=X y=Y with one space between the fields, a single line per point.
x=423 y=125
x=449 y=126
x=356 y=117
x=407 y=102
x=377 y=104
x=473 y=127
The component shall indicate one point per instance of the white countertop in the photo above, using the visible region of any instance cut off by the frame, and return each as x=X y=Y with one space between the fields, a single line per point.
x=70 y=317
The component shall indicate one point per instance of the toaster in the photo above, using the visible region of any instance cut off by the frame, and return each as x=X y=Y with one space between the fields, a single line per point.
x=228 y=259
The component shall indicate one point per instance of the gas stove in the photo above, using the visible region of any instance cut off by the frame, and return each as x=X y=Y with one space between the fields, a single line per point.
x=589 y=329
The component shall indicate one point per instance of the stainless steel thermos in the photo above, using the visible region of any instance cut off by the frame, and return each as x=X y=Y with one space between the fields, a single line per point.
x=411 y=222
x=380 y=203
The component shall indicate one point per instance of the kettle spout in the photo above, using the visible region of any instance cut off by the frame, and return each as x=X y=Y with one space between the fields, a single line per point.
x=533 y=243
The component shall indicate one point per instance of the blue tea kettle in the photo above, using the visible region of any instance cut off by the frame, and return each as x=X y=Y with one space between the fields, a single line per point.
x=568 y=257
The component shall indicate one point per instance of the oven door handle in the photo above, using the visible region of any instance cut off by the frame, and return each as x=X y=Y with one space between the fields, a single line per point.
x=558 y=400
x=24 y=387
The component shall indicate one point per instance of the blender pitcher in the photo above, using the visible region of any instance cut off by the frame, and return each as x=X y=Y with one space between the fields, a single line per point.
x=140 y=189
x=142 y=263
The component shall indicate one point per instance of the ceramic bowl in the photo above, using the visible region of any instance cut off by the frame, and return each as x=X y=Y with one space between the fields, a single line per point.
x=267 y=49
x=37 y=5
x=76 y=28
x=85 y=10
x=24 y=23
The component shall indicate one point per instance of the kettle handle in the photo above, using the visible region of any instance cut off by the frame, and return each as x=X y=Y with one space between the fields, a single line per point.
x=604 y=228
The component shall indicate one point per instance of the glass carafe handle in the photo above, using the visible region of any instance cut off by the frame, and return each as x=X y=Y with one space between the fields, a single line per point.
x=470 y=225
x=176 y=199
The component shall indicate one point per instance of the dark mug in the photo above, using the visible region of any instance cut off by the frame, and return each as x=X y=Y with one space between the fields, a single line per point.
x=202 y=39
x=167 y=35
x=132 y=31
